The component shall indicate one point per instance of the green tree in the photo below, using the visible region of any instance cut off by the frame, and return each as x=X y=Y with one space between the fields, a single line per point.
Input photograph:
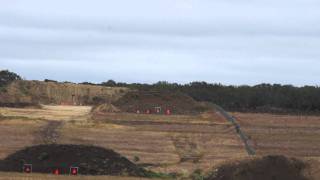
x=110 y=83
x=6 y=77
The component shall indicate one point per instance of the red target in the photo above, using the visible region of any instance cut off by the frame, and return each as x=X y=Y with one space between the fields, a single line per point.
x=27 y=168
x=74 y=171
x=56 y=171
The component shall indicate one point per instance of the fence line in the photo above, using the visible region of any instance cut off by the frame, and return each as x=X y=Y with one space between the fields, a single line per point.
x=250 y=150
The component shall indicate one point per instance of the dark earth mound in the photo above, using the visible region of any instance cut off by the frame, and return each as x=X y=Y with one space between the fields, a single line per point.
x=266 y=168
x=176 y=102
x=90 y=160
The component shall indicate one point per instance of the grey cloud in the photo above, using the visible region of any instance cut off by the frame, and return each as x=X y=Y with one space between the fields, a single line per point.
x=233 y=42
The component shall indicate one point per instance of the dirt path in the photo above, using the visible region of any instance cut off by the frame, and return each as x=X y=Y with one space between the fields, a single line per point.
x=52 y=119
x=49 y=134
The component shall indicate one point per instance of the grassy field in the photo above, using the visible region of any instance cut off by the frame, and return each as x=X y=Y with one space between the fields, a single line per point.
x=20 y=176
x=164 y=143
x=176 y=143
x=296 y=136
x=58 y=113
x=161 y=143
x=22 y=127
x=293 y=136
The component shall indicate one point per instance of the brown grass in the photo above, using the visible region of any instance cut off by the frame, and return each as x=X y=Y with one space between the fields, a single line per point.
x=59 y=93
x=174 y=143
x=282 y=134
x=21 y=176
x=17 y=134
x=65 y=113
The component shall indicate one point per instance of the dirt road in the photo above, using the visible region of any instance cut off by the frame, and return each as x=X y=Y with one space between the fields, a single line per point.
x=49 y=133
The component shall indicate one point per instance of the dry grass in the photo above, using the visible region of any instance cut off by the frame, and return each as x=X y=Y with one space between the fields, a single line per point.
x=175 y=143
x=165 y=143
x=206 y=118
x=59 y=93
x=21 y=176
x=282 y=134
x=19 y=127
x=62 y=113
x=16 y=134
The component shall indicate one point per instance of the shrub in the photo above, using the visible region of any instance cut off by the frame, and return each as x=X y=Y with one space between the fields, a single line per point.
x=6 y=77
x=197 y=175
x=136 y=159
x=98 y=100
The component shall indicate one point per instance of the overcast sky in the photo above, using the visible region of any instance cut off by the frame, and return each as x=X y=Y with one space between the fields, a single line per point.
x=227 y=41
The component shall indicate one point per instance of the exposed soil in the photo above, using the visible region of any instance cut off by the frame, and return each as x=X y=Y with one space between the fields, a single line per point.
x=187 y=149
x=266 y=168
x=90 y=160
x=105 y=108
x=177 y=103
x=49 y=133
x=30 y=93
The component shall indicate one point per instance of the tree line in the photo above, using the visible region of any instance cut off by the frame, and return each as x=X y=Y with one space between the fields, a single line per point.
x=259 y=98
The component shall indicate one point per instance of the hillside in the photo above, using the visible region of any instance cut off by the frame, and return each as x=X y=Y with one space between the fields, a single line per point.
x=175 y=102
x=22 y=93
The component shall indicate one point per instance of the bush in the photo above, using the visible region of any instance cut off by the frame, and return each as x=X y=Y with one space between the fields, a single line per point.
x=98 y=100
x=6 y=77
x=110 y=83
x=197 y=175
x=49 y=80
x=136 y=159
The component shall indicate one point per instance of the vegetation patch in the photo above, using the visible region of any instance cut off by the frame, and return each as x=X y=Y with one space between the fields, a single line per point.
x=6 y=77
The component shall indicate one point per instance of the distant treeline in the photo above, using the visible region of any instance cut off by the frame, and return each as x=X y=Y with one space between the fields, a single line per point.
x=260 y=98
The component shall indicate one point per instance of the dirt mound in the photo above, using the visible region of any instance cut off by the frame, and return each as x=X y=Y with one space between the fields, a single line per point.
x=105 y=108
x=266 y=168
x=176 y=102
x=90 y=160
